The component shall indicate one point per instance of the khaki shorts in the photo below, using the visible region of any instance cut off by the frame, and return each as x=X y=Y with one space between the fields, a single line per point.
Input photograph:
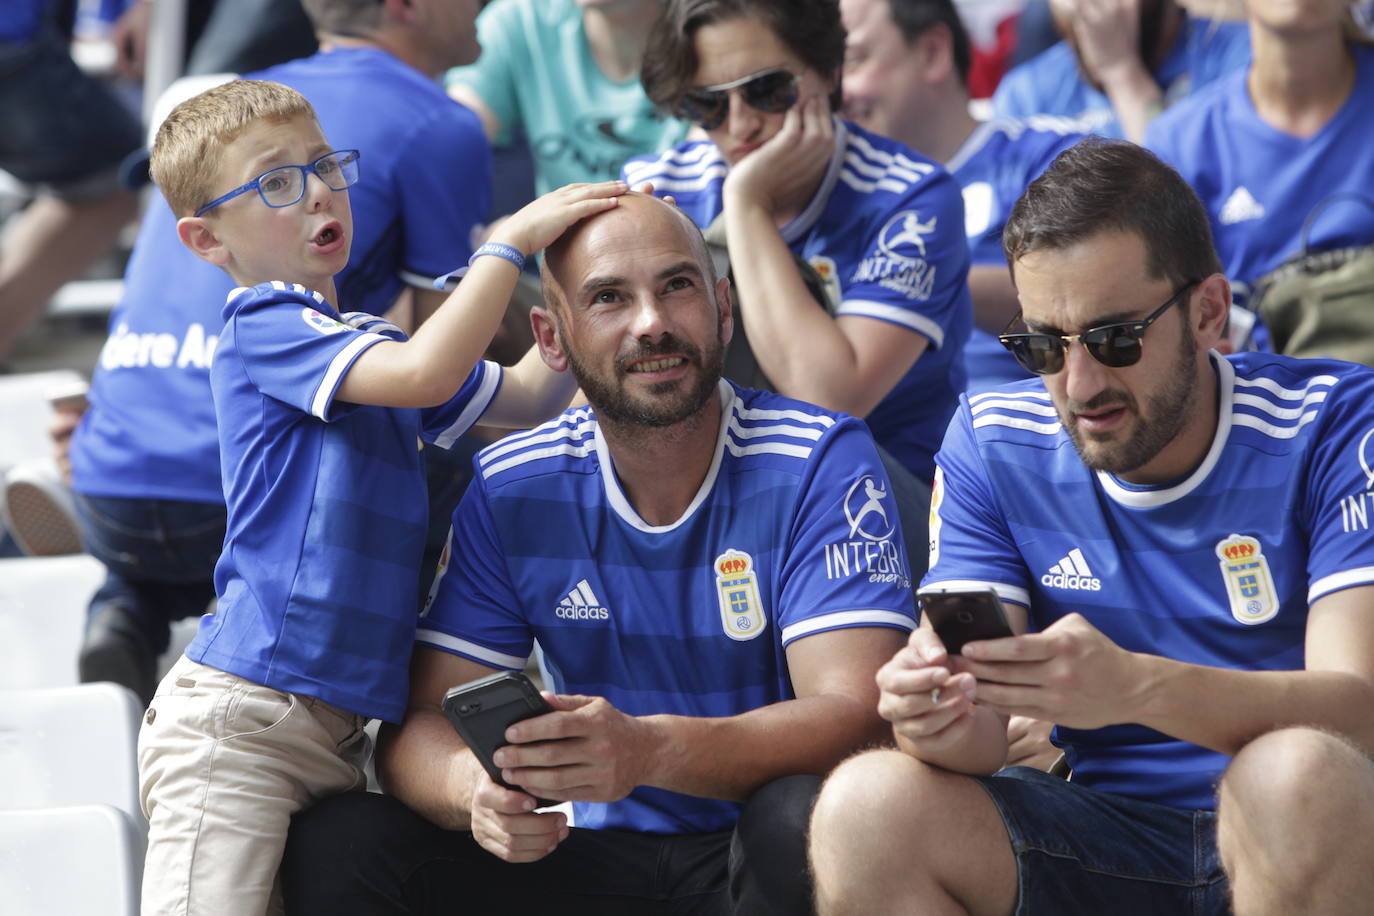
x=223 y=763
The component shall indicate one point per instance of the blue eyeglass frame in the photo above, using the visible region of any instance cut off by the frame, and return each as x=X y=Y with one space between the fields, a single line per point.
x=305 y=170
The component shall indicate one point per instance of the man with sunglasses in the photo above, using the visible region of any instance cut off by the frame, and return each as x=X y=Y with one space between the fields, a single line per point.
x=1186 y=537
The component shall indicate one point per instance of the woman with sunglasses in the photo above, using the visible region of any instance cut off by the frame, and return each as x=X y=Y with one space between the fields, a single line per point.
x=797 y=189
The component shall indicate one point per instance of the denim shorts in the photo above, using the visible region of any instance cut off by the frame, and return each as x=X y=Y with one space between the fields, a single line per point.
x=60 y=128
x=1083 y=851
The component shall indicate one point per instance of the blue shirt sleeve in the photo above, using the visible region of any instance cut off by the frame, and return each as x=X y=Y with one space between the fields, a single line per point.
x=292 y=349
x=845 y=564
x=970 y=544
x=1340 y=474
x=444 y=424
x=473 y=609
x=914 y=268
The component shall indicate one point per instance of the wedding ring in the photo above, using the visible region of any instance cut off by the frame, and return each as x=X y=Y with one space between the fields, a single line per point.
x=934 y=696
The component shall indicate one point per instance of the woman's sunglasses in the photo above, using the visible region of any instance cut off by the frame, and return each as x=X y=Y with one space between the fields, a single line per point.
x=1114 y=345
x=771 y=91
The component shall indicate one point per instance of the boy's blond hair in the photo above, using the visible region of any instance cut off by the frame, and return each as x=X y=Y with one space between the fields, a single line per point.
x=189 y=147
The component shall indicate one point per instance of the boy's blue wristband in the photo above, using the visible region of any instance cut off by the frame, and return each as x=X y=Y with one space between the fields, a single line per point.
x=496 y=250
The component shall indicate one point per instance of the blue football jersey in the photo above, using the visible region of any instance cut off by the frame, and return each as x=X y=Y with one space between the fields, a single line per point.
x=150 y=432
x=993 y=168
x=1217 y=569
x=1051 y=83
x=791 y=533
x=883 y=232
x=318 y=579
x=1259 y=184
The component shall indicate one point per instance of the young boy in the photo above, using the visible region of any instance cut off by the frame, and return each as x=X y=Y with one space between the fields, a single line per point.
x=318 y=426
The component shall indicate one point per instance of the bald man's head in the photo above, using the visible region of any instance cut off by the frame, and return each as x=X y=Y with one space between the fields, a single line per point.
x=642 y=210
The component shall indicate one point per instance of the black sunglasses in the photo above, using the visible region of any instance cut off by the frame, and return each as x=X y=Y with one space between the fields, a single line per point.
x=1114 y=345
x=771 y=91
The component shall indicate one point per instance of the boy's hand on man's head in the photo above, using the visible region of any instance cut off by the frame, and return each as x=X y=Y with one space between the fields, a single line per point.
x=537 y=224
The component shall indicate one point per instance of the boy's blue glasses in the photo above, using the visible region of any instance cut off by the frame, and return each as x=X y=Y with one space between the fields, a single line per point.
x=284 y=186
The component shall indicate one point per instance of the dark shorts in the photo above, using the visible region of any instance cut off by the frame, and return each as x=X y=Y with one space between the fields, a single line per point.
x=61 y=129
x=1082 y=851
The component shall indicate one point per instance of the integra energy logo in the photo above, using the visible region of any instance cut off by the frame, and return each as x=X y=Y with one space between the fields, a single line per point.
x=1072 y=572
x=871 y=548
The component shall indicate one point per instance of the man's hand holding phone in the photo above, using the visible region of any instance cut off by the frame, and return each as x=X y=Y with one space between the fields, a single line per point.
x=585 y=750
x=925 y=692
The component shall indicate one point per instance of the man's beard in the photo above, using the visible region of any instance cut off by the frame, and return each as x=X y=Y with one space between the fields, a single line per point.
x=668 y=403
x=1170 y=410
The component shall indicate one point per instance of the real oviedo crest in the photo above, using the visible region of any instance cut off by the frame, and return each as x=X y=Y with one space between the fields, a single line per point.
x=737 y=589
x=1249 y=586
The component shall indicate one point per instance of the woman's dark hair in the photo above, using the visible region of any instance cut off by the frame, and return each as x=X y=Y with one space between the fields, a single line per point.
x=1111 y=185
x=810 y=29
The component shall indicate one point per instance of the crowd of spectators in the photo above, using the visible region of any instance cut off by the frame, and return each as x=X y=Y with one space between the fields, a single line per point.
x=803 y=311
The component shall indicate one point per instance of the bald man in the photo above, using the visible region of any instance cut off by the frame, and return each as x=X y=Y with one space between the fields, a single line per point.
x=713 y=594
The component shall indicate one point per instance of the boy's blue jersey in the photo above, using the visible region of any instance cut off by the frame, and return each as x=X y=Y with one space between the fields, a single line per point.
x=884 y=231
x=1217 y=569
x=993 y=168
x=150 y=432
x=1259 y=184
x=1052 y=83
x=791 y=533
x=318 y=581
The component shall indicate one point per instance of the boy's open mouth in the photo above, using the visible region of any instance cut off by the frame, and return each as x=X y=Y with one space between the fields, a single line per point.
x=327 y=235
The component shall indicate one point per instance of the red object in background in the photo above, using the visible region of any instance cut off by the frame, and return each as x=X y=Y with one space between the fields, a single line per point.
x=990 y=62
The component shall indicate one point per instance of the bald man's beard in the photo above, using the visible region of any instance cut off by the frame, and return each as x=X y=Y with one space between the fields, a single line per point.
x=665 y=403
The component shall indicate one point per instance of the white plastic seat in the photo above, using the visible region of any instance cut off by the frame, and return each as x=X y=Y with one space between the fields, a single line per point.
x=42 y=616
x=85 y=860
x=64 y=746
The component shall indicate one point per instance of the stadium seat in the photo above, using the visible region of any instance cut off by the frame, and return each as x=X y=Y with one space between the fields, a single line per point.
x=85 y=859
x=42 y=614
x=63 y=746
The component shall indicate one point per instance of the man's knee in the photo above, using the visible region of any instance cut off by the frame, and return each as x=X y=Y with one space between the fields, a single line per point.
x=1291 y=770
x=1285 y=782
x=869 y=790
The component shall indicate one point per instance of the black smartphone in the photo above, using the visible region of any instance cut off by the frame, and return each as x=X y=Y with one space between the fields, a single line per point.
x=963 y=615
x=483 y=709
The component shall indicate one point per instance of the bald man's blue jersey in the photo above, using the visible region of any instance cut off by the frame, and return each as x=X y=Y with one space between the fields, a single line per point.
x=1216 y=569
x=318 y=579
x=885 y=232
x=792 y=533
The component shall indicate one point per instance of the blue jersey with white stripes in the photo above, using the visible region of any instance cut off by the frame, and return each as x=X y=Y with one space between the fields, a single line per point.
x=318 y=580
x=1216 y=569
x=993 y=167
x=791 y=533
x=885 y=232
x=1259 y=184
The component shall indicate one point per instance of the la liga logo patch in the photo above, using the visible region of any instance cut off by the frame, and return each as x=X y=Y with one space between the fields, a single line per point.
x=322 y=322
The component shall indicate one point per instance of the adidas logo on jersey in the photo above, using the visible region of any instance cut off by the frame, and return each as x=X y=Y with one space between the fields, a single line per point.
x=1072 y=572
x=1240 y=207
x=581 y=604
